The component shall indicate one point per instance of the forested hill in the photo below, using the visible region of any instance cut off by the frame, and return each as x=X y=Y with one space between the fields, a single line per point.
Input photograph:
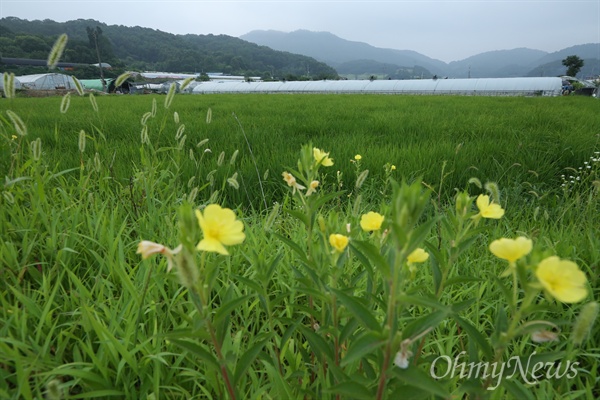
x=138 y=48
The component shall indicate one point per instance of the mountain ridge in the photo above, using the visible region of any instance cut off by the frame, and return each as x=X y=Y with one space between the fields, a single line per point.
x=335 y=51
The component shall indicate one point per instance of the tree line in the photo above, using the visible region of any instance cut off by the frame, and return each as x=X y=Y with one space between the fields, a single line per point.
x=144 y=49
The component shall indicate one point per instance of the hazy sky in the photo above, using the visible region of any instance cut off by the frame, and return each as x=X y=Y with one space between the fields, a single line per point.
x=447 y=30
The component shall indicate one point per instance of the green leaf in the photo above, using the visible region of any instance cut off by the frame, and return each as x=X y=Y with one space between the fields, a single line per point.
x=414 y=377
x=365 y=344
x=474 y=334
x=247 y=359
x=199 y=351
x=299 y=216
x=359 y=310
x=422 y=301
x=317 y=344
x=517 y=389
x=292 y=245
x=373 y=254
x=226 y=309
x=421 y=324
x=351 y=390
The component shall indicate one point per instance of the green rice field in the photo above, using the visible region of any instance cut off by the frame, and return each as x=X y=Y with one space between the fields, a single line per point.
x=299 y=247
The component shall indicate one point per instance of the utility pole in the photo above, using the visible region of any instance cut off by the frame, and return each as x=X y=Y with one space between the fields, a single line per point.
x=95 y=33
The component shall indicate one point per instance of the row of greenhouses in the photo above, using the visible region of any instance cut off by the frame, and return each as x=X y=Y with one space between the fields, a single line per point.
x=483 y=86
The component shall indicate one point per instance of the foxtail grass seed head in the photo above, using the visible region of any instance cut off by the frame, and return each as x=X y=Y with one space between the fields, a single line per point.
x=93 y=102
x=179 y=132
x=9 y=85
x=153 y=109
x=493 y=190
x=186 y=83
x=176 y=117
x=361 y=178
x=53 y=390
x=122 y=78
x=202 y=142
x=233 y=181
x=475 y=182
x=192 y=155
x=272 y=217
x=266 y=175
x=191 y=181
x=20 y=127
x=9 y=197
x=144 y=135
x=65 y=103
x=78 y=87
x=81 y=142
x=97 y=163
x=145 y=117
x=181 y=142
x=214 y=197
x=233 y=157
x=57 y=51
x=192 y=196
x=170 y=95
x=544 y=336
x=584 y=323
x=221 y=159
x=36 y=149
x=209 y=116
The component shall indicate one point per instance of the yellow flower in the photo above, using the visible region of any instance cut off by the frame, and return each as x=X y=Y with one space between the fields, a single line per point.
x=219 y=228
x=511 y=249
x=14 y=137
x=312 y=188
x=291 y=181
x=357 y=157
x=322 y=157
x=487 y=209
x=418 y=256
x=393 y=167
x=338 y=242
x=371 y=221
x=562 y=279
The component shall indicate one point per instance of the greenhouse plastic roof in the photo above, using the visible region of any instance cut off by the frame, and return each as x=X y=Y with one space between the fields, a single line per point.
x=483 y=86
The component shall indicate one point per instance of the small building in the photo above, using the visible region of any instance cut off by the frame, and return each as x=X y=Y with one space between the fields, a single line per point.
x=50 y=81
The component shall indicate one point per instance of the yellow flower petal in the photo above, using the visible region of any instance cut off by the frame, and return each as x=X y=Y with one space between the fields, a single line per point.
x=322 y=157
x=338 y=242
x=511 y=249
x=418 y=256
x=219 y=227
x=562 y=279
x=487 y=209
x=371 y=221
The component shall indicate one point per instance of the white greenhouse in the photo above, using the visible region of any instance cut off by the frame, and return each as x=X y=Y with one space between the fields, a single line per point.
x=51 y=81
x=477 y=87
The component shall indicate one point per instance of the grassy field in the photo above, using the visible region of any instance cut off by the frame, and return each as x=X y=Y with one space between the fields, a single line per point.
x=294 y=312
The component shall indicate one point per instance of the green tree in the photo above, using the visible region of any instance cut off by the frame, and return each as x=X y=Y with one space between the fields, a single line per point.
x=573 y=64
